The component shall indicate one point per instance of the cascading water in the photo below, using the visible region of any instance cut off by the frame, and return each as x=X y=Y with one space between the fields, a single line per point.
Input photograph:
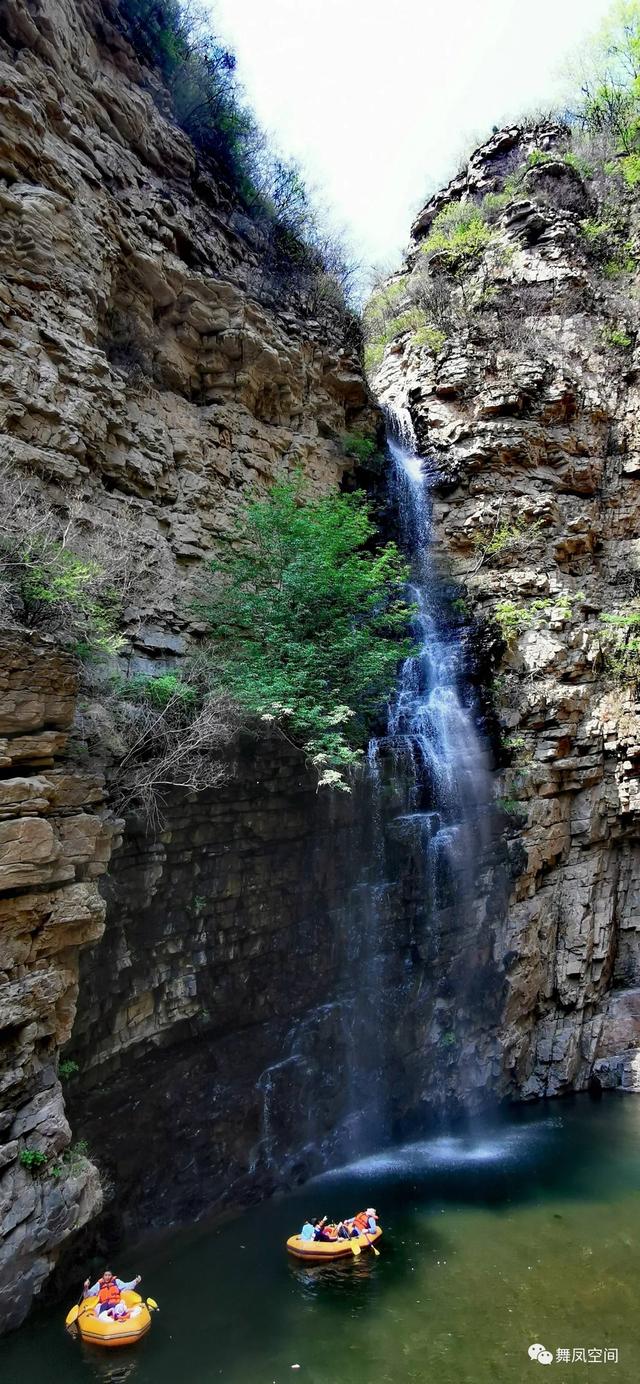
x=430 y=725
x=430 y=824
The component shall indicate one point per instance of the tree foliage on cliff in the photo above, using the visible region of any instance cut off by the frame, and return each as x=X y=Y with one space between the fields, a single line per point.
x=308 y=620
x=608 y=75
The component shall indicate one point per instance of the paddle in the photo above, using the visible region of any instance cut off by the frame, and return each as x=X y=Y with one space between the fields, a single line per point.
x=72 y=1316
x=372 y=1246
x=355 y=1248
x=152 y=1304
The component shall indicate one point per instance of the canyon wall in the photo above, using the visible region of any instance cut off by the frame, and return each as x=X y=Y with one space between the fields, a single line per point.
x=516 y=358
x=154 y=363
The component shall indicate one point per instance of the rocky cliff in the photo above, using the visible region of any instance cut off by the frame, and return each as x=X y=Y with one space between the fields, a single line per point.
x=510 y=336
x=154 y=363
x=55 y=841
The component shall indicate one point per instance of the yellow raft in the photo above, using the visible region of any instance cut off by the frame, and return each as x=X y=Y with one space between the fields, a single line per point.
x=330 y=1249
x=104 y=1331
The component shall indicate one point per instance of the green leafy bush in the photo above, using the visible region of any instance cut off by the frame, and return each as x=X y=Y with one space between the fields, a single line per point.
x=51 y=576
x=609 y=105
x=308 y=621
x=72 y=1161
x=596 y=232
x=382 y=328
x=537 y=156
x=67 y=1068
x=380 y=320
x=431 y=337
x=511 y=807
x=623 y=263
x=615 y=337
x=631 y=169
x=358 y=446
x=493 y=203
x=511 y=620
x=373 y=356
x=581 y=165
x=33 y=1159
x=608 y=239
x=514 y=743
x=621 y=647
x=159 y=691
x=459 y=232
x=505 y=535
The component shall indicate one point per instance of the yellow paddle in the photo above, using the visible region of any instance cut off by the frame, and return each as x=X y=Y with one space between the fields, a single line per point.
x=151 y=1302
x=372 y=1246
x=355 y=1248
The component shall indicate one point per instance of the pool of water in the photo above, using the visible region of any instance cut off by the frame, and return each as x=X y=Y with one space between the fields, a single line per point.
x=520 y=1231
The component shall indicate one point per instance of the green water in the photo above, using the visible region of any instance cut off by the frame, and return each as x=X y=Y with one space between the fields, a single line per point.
x=522 y=1231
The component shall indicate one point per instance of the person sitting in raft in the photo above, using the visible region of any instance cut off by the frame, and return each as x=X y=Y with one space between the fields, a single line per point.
x=323 y=1231
x=365 y=1221
x=308 y=1231
x=108 y=1291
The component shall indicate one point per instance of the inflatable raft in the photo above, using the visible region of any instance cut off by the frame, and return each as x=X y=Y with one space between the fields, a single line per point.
x=104 y=1331
x=330 y=1249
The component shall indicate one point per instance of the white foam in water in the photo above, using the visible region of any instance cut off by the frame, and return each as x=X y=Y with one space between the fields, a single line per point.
x=449 y=1151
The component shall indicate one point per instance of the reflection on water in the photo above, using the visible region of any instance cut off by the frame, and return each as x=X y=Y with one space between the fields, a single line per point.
x=495 y=1237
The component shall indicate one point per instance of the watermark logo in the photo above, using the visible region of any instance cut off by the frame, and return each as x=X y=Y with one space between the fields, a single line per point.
x=541 y=1354
x=574 y=1355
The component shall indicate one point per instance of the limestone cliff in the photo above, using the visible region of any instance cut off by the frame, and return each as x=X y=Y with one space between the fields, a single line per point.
x=154 y=363
x=512 y=347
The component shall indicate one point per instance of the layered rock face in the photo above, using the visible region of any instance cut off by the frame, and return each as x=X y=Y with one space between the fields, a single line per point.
x=154 y=364
x=523 y=391
x=55 y=842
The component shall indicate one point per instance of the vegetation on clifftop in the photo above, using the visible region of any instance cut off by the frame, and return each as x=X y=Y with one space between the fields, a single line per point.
x=468 y=245
x=199 y=74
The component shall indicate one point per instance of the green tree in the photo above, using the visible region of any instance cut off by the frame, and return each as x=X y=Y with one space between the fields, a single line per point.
x=608 y=72
x=308 y=621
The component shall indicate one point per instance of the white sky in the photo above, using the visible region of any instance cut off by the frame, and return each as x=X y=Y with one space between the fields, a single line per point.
x=377 y=98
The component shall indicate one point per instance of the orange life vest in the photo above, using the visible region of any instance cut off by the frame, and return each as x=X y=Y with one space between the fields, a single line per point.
x=109 y=1292
x=361 y=1221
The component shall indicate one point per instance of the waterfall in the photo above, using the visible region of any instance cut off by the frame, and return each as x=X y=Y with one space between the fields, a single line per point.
x=430 y=723
x=430 y=823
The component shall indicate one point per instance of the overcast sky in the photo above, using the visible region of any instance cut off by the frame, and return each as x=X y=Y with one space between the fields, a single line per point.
x=378 y=98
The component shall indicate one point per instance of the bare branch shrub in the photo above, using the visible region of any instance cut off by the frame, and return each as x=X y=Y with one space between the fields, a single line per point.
x=184 y=744
x=433 y=293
